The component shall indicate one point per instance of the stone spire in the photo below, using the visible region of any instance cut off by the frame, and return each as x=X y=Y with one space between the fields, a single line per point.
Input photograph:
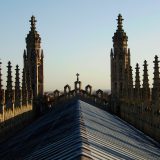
x=156 y=86
x=33 y=39
x=9 y=91
x=156 y=79
x=119 y=60
x=137 y=78
x=146 y=89
x=145 y=75
x=24 y=89
x=137 y=83
x=17 y=88
x=120 y=38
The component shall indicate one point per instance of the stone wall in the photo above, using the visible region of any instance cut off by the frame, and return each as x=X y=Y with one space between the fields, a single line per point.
x=13 y=119
x=141 y=118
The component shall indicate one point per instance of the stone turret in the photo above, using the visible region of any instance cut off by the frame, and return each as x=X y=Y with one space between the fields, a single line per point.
x=137 y=93
x=33 y=60
x=146 y=89
x=24 y=90
x=156 y=87
x=9 y=92
x=17 y=88
x=120 y=60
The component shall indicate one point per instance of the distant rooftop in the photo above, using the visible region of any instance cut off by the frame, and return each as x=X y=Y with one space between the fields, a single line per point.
x=79 y=130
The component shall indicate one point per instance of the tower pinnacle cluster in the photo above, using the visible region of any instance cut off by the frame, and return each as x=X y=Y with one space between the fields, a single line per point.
x=134 y=100
x=19 y=94
x=33 y=61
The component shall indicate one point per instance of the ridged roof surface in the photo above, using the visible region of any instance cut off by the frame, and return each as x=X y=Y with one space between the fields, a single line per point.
x=80 y=131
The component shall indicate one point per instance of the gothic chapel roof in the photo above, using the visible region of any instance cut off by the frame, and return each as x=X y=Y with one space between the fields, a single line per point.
x=79 y=130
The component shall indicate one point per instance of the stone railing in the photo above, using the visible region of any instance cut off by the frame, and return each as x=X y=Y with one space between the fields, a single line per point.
x=98 y=99
x=13 y=119
x=7 y=114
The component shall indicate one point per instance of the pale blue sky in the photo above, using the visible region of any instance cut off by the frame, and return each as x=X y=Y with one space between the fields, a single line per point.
x=77 y=36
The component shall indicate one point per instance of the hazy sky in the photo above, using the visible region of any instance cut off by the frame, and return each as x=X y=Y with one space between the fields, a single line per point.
x=77 y=36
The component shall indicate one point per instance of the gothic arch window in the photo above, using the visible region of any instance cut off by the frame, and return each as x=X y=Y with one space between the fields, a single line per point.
x=67 y=89
x=56 y=93
x=88 y=89
x=78 y=85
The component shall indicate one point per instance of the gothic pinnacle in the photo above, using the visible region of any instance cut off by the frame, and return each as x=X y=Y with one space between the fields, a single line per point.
x=145 y=75
x=17 y=88
x=119 y=22
x=137 y=78
x=33 y=23
x=9 y=77
x=156 y=79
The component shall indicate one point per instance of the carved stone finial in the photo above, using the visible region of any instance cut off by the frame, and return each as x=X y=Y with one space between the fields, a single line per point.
x=17 y=88
x=146 y=89
x=145 y=75
x=77 y=84
x=137 y=78
x=77 y=77
x=156 y=79
x=33 y=23
x=156 y=86
x=9 y=91
x=119 y=22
